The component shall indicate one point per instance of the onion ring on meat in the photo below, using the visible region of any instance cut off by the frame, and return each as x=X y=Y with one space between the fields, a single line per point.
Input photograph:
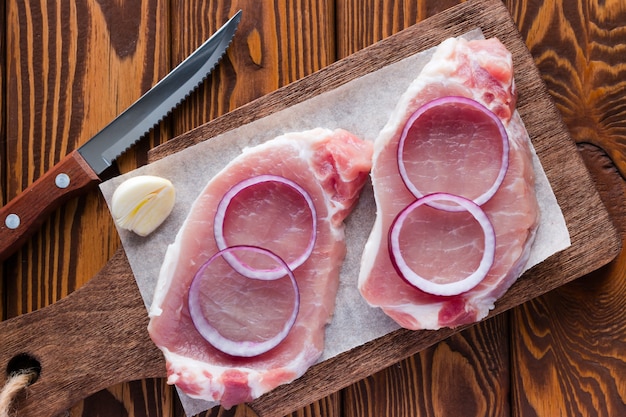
x=223 y=210
x=435 y=140
x=438 y=285
x=222 y=303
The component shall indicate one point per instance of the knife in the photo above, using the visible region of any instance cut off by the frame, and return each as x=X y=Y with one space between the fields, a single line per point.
x=81 y=169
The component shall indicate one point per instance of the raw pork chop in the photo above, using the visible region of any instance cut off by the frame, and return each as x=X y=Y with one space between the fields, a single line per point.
x=481 y=70
x=332 y=167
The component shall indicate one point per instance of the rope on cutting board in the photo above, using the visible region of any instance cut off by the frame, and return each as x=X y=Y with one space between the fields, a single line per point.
x=15 y=382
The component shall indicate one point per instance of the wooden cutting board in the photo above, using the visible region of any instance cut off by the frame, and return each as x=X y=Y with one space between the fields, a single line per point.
x=97 y=337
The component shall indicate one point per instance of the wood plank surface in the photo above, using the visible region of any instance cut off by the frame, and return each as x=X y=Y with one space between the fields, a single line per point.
x=583 y=321
x=465 y=375
x=384 y=52
x=102 y=56
x=3 y=146
x=291 y=40
x=569 y=346
x=69 y=68
x=56 y=53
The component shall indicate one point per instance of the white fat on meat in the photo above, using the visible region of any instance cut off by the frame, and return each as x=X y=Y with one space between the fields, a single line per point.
x=481 y=70
x=332 y=166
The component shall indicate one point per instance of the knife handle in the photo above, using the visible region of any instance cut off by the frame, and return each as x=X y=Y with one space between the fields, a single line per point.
x=23 y=215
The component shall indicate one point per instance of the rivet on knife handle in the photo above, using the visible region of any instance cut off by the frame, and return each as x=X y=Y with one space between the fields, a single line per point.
x=21 y=217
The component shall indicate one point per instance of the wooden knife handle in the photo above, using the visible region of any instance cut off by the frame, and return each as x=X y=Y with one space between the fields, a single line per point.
x=92 y=339
x=23 y=215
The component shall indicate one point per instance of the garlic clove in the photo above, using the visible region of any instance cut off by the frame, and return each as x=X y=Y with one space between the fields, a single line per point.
x=140 y=204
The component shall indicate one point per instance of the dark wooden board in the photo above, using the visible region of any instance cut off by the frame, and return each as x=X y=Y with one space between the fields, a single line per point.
x=567 y=174
x=97 y=336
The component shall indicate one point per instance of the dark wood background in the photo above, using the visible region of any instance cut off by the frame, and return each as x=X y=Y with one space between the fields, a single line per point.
x=69 y=67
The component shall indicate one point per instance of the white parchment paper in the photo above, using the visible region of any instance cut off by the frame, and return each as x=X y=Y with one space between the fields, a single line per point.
x=361 y=106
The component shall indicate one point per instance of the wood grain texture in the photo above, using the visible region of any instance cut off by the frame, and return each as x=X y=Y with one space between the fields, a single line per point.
x=68 y=78
x=75 y=68
x=361 y=23
x=118 y=50
x=71 y=68
x=569 y=346
x=579 y=48
x=84 y=341
x=3 y=145
x=465 y=375
x=291 y=40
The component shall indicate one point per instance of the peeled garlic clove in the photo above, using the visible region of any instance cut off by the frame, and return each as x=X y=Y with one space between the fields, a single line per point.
x=140 y=204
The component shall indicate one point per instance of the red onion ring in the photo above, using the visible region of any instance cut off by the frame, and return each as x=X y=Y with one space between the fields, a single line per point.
x=449 y=288
x=454 y=100
x=222 y=209
x=200 y=293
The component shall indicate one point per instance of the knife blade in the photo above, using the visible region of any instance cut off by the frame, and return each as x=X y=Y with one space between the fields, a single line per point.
x=80 y=170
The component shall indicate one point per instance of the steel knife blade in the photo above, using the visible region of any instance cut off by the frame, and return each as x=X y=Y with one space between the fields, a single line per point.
x=81 y=169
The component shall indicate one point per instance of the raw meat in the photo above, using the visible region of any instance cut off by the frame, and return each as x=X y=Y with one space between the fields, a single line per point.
x=481 y=70
x=332 y=167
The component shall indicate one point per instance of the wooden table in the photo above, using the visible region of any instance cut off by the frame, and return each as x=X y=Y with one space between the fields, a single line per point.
x=68 y=68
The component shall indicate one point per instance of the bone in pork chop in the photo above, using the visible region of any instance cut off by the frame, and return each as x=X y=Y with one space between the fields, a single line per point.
x=331 y=166
x=480 y=70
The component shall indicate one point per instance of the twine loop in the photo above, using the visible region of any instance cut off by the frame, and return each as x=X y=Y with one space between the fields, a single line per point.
x=15 y=383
